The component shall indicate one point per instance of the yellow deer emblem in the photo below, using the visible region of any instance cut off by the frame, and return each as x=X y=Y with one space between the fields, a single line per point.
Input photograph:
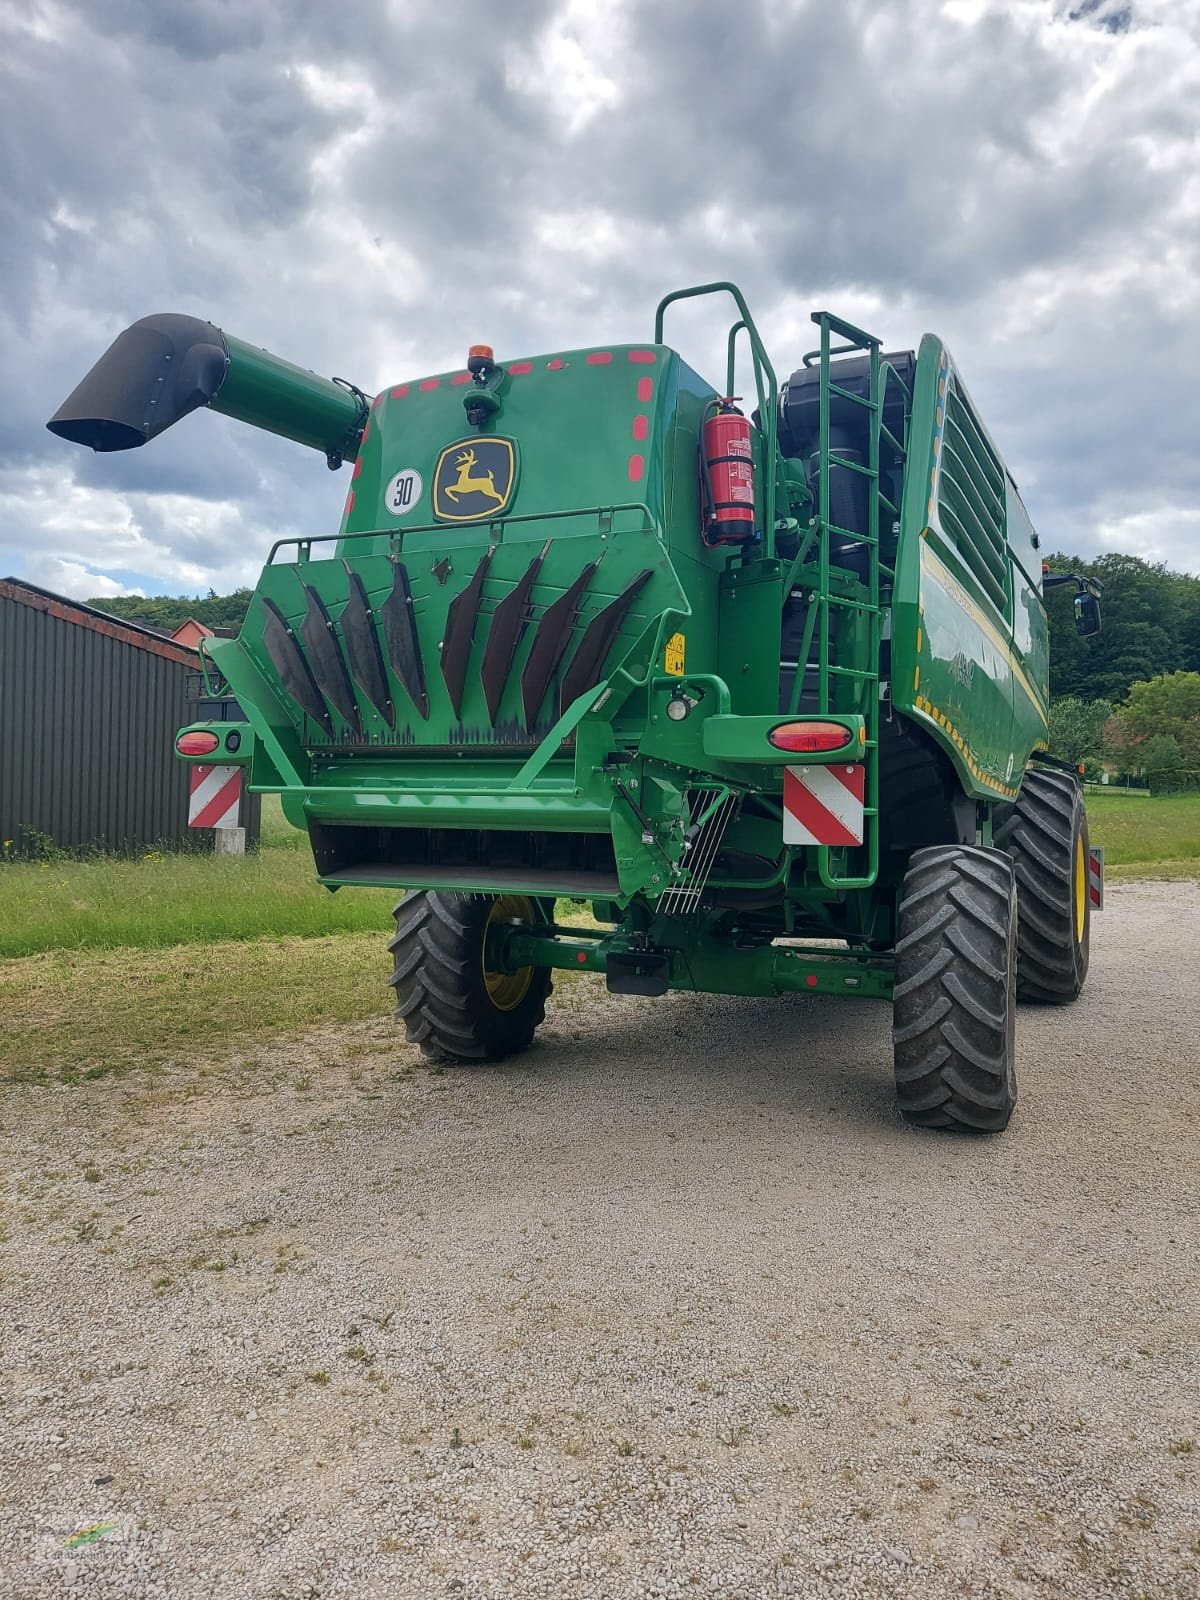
x=484 y=483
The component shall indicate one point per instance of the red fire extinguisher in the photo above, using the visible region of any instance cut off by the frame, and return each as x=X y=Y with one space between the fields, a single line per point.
x=727 y=469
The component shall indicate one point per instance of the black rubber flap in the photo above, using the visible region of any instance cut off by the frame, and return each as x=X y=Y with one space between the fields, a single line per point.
x=400 y=637
x=460 y=630
x=362 y=648
x=325 y=659
x=294 y=673
x=154 y=373
x=508 y=620
x=597 y=640
x=550 y=643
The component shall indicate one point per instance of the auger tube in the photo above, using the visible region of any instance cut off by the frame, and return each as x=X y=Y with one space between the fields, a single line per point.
x=165 y=366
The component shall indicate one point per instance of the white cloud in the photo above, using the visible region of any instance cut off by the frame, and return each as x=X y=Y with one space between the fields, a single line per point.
x=74 y=579
x=575 y=63
x=366 y=201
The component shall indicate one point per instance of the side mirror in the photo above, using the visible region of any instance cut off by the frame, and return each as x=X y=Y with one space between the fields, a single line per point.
x=1087 y=614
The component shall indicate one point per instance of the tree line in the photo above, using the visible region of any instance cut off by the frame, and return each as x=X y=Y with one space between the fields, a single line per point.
x=1151 y=624
x=1151 y=627
x=167 y=611
x=1129 y=696
x=1128 y=699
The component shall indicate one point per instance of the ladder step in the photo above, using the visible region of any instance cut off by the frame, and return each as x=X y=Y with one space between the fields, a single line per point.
x=853 y=672
x=849 y=533
x=886 y=433
x=851 y=466
x=858 y=399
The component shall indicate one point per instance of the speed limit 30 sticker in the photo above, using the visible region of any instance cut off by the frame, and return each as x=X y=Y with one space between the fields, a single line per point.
x=403 y=492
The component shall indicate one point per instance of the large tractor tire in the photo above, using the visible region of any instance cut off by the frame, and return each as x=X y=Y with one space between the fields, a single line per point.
x=451 y=1004
x=954 y=1002
x=1045 y=833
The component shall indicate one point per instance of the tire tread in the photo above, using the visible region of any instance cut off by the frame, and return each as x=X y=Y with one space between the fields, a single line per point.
x=438 y=981
x=954 y=996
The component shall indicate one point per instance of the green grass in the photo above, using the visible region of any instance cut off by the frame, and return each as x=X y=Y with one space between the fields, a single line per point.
x=276 y=832
x=70 y=1016
x=117 y=963
x=1142 y=830
x=159 y=900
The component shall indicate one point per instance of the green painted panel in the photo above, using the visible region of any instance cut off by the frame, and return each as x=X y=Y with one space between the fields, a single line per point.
x=969 y=650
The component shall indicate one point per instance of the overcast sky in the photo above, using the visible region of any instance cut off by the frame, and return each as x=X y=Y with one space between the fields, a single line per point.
x=366 y=190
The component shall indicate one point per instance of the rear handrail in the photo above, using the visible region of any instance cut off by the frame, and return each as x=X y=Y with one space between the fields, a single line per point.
x=217 y=688
x=397 y=535
x=768 y=398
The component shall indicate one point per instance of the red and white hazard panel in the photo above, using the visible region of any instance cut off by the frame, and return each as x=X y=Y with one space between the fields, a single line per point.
x=824 y=805
x=1096 y=876
x=215 y=798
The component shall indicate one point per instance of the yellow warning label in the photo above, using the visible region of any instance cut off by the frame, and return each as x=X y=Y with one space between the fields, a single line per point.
x=673 y=655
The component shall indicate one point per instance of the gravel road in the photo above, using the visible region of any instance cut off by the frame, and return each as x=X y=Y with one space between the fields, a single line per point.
x=671 y=1307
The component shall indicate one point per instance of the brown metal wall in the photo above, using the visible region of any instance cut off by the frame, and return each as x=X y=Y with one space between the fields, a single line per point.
x=87 y=728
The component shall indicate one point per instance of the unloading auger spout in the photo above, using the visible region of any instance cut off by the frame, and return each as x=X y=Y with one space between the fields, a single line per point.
x=165 y=366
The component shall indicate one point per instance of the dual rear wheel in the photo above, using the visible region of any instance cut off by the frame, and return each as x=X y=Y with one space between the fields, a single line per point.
x=452 y=1002
x=977 y=931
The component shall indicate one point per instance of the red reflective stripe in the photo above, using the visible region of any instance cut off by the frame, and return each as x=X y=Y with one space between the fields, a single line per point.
x=430 y=383
x=641 y=427
x=226 y=797
x=644 y=357
x=520 y=368
x=349 y=504
x=556 y=365
x=458 y=379
x=645 y=389
x=398 y=394
x=637 y=466
x=357 y=469
x=817 y=819
x=599 y=358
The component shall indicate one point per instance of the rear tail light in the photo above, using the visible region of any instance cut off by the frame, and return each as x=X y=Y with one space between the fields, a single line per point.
x=811 y=738
x=199 y=743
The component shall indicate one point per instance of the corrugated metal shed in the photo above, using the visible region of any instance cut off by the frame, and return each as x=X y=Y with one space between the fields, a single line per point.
x=89 y=709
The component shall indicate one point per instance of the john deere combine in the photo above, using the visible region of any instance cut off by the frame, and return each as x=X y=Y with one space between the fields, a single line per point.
x=764 y=690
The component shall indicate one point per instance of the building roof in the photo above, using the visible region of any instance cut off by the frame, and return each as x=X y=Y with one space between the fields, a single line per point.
x=58 y=605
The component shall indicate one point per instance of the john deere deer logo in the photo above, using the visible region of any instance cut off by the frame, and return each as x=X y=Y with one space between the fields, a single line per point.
x=485 y=483
x=474 y=478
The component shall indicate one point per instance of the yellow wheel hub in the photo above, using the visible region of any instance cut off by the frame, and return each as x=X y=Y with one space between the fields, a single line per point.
x=1081 y=889
x=506 y=990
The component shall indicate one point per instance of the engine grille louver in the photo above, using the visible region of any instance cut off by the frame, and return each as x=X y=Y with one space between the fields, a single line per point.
x=362 y=648
x=460 y=630
x=325 y=660
x=550 y=643
x=400 y=638
x=589 y=658
x=294 y=671
x=508 y=620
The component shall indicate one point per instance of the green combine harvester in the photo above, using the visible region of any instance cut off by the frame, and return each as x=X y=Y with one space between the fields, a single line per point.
x=768 y=691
